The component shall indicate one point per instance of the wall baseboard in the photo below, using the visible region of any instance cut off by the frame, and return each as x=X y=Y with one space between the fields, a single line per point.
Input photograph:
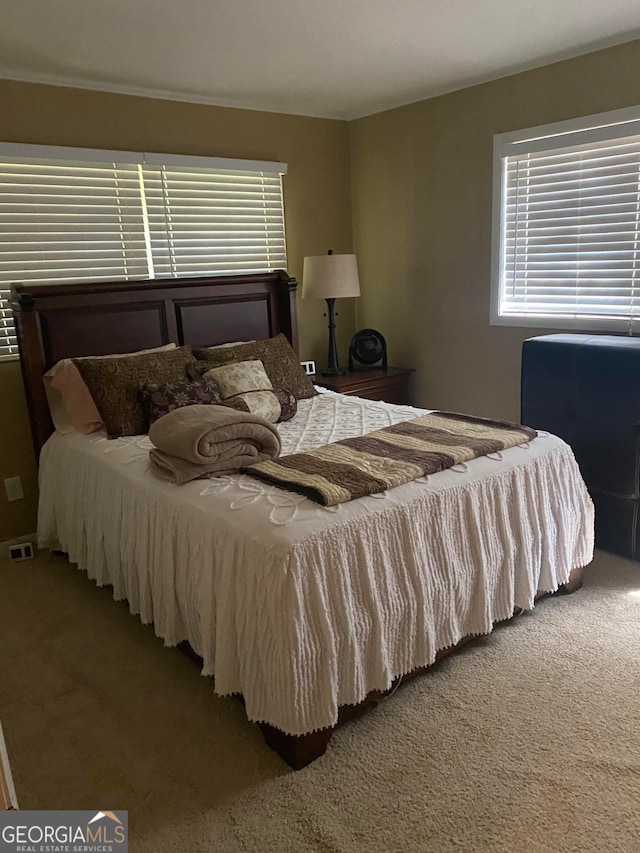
x=8 y=543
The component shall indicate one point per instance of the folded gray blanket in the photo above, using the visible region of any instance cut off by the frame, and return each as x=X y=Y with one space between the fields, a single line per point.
x=200 y=441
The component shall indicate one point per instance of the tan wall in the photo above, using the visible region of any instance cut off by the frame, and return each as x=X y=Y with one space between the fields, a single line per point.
x=316 y=194
x=422 y=195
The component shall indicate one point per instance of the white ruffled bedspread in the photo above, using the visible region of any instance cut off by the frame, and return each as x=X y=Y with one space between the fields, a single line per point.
x=303 y=608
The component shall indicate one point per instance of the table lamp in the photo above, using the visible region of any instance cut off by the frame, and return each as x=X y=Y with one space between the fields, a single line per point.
x=330 y=277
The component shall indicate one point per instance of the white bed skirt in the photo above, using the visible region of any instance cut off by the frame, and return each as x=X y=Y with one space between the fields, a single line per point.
x=301 y=608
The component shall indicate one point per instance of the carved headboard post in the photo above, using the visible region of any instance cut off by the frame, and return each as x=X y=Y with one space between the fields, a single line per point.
x=287 y=308
x=32 y=362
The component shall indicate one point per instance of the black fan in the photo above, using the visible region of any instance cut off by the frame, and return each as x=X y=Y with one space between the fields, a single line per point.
x=367 y=347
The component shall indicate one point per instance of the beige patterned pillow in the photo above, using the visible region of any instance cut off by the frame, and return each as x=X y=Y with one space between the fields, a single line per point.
x=240 y=377
x=246 y=382
x=114 y=384
x=280 y=363
x=263 y=403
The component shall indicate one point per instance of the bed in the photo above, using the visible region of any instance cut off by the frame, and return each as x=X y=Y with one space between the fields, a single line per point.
x=305 y=611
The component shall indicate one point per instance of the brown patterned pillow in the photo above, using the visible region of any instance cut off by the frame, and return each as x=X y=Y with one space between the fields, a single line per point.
x=159 y=398
x=288 y=404
x=280 y=362
x=114 y=384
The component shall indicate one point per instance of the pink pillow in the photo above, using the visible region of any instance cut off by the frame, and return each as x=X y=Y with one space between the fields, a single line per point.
x=70 y=403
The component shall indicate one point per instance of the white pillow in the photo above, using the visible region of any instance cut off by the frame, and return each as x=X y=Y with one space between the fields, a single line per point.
x=163 y=348
x=231 y=344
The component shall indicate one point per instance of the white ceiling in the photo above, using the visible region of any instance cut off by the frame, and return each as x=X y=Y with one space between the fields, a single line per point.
x=332 y=58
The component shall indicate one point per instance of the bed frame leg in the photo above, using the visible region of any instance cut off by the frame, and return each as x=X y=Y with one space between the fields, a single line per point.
x=574 y=583
x=297 y=751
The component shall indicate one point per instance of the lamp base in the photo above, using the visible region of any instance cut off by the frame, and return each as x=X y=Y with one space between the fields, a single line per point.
x=333 y=367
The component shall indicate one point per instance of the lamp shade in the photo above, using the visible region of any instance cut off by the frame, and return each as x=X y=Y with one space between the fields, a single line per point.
x=330 y=277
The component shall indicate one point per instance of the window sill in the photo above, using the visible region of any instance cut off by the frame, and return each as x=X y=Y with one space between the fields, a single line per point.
x=570 y=324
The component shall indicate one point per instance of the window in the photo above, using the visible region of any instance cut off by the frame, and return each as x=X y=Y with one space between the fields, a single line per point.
x=566 y=248
x=85 y=215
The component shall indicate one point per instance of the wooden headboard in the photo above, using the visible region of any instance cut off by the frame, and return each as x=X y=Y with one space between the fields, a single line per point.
x=67 y=321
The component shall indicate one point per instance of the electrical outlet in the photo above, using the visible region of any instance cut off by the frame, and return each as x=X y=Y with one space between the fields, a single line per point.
x=309 y=367
x=13 y=488
x=22 y=551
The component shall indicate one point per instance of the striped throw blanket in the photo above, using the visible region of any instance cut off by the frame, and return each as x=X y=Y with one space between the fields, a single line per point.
x=372 y=463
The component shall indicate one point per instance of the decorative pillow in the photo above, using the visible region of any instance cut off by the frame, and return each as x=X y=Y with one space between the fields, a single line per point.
x=237 y=403
x=240 y=377
x=248 y=382
x=162 y=348
x=263 y=403
x=70 y=404
x=114 y=384
x=230 y=344
x=159 y=398
x=288 y=404
x=280 y=363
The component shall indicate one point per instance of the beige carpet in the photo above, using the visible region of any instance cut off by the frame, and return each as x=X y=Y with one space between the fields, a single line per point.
x=528 y=740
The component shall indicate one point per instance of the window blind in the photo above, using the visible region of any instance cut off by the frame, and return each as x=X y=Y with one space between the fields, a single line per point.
x=8 y=341
x=570 y=229
x=212 y=222
x=101 y=218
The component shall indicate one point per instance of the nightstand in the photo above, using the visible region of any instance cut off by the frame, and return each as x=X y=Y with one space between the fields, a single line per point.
x=389 y=385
